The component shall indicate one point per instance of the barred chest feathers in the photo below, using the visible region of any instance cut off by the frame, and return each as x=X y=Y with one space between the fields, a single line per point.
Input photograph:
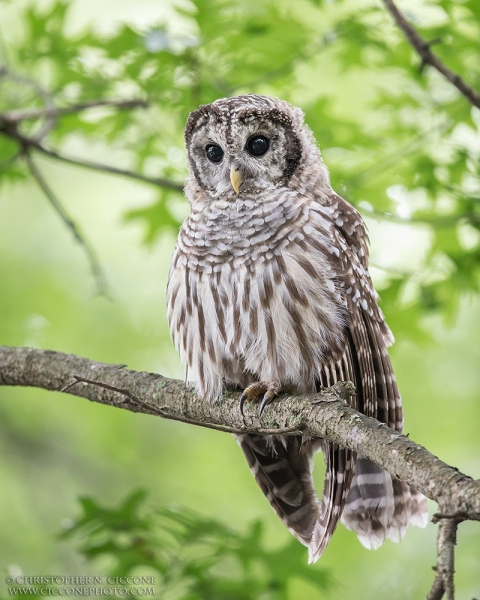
x=269 y=290
x=255 y=292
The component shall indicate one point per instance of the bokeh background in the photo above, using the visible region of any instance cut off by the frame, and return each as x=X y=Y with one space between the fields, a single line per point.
x=400 y=143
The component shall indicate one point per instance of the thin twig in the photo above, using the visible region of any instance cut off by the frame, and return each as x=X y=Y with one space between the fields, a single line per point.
x=445 y=568
x=334 y=421
x=391 y=269
x=436 y=221
x=56 y=204
x=96 y=166
x=11 y=131
x=422 y=47
x=43 y=92
x=15 y=116
x=168 y=415
x=457 y=516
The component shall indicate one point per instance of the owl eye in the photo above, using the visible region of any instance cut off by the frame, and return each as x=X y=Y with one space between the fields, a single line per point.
x=258 y=145
x=214 y=153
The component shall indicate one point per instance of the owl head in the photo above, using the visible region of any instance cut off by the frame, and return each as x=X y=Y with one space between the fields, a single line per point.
x=250 y=144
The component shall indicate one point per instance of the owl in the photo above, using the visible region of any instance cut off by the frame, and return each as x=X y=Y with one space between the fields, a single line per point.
x=269 y=291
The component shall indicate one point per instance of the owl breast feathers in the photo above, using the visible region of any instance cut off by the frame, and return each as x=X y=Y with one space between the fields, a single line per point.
x=269 y=290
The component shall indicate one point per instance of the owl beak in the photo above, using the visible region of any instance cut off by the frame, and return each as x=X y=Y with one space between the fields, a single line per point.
x=236 y=177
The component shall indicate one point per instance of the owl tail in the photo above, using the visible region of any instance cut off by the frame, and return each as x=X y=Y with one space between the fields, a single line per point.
x=380 y=506
x=374 y=504
x=282 y=468
x=340 y=465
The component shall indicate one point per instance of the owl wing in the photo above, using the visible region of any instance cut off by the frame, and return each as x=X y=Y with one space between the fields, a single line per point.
x=373 y=505
x=282 y=465
x=368 y=333
x=376 y=505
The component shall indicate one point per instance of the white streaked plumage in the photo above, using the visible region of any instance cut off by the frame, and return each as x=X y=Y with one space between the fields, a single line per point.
x=270 y=284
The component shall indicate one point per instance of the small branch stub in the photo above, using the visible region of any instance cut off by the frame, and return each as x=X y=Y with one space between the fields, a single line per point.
x=323 y=415
x=422 y=48
x=445 y=567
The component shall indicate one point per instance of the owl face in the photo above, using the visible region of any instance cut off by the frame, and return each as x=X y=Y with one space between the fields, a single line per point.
x=244 y=145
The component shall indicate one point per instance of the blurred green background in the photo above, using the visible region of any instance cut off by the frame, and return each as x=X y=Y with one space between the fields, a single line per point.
x=401 y=144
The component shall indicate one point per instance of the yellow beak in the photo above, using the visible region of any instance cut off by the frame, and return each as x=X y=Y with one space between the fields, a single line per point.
x=236 y=177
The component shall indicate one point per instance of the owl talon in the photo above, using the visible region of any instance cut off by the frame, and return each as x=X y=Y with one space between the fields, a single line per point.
x=269 y=396
x=250 y=393
x=270 y=390
x=243 y=397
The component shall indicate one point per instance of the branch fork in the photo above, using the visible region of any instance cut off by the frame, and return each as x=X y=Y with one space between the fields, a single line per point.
x=322 y=415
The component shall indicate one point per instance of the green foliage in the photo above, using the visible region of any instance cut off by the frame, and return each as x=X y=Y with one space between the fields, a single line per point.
x=397 y=125
x=157 y=217
x=401 y=144
x=193 y=557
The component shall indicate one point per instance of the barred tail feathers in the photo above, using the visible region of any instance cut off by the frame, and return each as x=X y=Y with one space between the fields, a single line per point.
x=340 y=467
x=380 y=506
x=364 y=497
x=282 y=468
x=410 y=509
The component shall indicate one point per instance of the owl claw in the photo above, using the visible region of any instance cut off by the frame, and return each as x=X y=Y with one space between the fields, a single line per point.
x=243 y=397
x=250 y=393
x=269 y=396
x=270 y=390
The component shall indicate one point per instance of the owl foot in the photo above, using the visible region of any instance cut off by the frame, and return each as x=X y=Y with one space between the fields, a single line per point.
x=342 y=390
x=268 y=389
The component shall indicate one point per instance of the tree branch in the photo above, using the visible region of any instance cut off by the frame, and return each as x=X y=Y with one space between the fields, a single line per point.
x=15 y=116
x=440 y=222
x=39 y=89
x=422 y=47
x=59 y=209
x=96 y=166
x=10 y=129
x=446 y=540
x=162 y=413
x=325 y=415
x=318 y=415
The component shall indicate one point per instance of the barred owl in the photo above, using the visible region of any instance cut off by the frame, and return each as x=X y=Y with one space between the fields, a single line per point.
x=269 y=290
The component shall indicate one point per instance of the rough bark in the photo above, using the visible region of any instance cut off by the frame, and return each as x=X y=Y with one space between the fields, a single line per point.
x=319 y=415
x=445 y=568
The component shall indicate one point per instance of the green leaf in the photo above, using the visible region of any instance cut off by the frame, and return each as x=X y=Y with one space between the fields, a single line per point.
x=156 y=217
x=199 y=554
